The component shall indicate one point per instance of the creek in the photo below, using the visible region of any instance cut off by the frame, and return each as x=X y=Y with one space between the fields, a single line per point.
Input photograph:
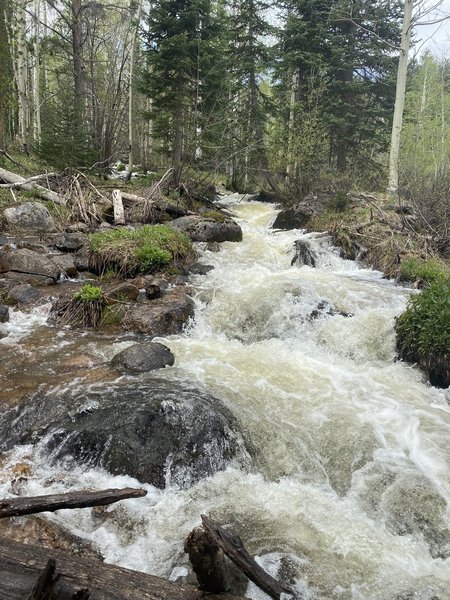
x=348 y=491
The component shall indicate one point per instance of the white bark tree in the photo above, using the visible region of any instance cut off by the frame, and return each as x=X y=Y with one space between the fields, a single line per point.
x=416 y=13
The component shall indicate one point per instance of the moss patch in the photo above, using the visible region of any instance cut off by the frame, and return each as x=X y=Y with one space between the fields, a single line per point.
x=423 y=331
x=138 y=251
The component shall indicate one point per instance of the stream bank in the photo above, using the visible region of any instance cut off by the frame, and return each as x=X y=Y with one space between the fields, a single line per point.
x=346 y=489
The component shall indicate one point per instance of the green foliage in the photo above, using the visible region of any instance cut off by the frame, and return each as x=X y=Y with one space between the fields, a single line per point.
x=143 y=250
x=89 y=293
x=423 y=331
x=339 y=202
x=216 y=215
x=430 y=270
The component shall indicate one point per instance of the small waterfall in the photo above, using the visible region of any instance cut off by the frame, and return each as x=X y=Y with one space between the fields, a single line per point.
x=348 y=493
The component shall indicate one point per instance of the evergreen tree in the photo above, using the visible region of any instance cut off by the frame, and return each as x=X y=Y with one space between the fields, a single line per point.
x=182 y=51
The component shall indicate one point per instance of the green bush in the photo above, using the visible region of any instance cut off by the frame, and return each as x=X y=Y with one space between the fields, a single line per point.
x=144 y=250
x=430 y=270
x=423 y=331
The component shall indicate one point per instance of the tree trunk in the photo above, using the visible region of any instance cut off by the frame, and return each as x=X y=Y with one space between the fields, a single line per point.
x=131 y=93
x=397 y=122
x=36 y=74
x=178 y=138
x=22 y=71
x=5 y=72
x=78 y=65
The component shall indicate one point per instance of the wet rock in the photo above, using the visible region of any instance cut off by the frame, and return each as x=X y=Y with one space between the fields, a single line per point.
x=152 y=291
x=68 y=242
x=30 y=216
x=325 y=308
x=31 y=245
x=66 y=264
x=201 y=229
x=29 y=263
x=81 y=260
x=23 y=294
x=304 y=254
x=263 y=197
x=141 y=358
x=125 y=292
x=4 y=314
x=80 y=226
x=200 y=269
x=160 y=432
x=213 y=246
x=296 y=217
x=162 y=316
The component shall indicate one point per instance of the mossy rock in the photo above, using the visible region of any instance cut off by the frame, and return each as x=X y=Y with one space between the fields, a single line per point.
x=148 y=249
x=423 y=332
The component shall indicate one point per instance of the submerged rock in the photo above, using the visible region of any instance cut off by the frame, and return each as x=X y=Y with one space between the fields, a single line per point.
x=203 y=229
x=4 y=314
x=30 y=216
x=304 y=254
x=23 y=294
x=160 y=432
x=140 y=358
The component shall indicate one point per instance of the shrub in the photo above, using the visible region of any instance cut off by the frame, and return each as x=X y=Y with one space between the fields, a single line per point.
x=430 y=270
x=423 y=331
x=144 y=250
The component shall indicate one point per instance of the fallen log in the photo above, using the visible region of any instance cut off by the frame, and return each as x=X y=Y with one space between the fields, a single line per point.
x=28 y=180
x=171 y=209
x=21 y=565
x=119 y=217
x=40 y=191
x=28 y=505
x=233 y=547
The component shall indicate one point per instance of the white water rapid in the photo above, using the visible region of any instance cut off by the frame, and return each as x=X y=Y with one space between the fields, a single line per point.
x=348 y=495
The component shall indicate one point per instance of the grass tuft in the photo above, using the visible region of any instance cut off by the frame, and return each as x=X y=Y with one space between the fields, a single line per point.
x=138 y=251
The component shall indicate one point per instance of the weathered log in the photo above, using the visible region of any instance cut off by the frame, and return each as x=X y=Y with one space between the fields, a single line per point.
x=40 y=191
x=171 y=209
x=20 y=565
x=45 y=583
x=28 y=505
x=28 y=180
x=214 y=571
x=119 y=216
x=234 y=549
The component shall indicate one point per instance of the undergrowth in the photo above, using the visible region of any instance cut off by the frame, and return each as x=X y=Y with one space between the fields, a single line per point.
x=132 y=251
x=423 y=331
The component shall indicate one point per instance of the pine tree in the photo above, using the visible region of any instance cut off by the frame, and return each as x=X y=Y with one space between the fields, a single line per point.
x=181 y=50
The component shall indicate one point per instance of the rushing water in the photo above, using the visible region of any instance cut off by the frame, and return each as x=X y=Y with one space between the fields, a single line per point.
x=349 y=493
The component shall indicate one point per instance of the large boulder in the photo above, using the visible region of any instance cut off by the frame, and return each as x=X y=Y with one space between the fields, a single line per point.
x=37 y=267
x=30 y=217
x=158 y=431
x=205 y=229
x=140 y=358
x=162 y=316
x=296 y=217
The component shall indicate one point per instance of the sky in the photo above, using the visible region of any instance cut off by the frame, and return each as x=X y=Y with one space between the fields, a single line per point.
x=435 y=38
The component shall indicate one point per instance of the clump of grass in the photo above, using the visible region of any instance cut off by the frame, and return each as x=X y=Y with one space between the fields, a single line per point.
x=89 y=293
x=433 y=269
x=423 y=331
x=84 y=309
x=138 y=251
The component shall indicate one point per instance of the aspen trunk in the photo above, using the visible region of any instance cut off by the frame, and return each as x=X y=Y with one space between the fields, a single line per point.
x=131 y=93
x=397 y=122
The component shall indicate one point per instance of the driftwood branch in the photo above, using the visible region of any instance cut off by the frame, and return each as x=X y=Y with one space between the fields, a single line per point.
x=233 y=547
x=21 y=182
x=21 y=564
x=13 y=507
x=10 y=158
